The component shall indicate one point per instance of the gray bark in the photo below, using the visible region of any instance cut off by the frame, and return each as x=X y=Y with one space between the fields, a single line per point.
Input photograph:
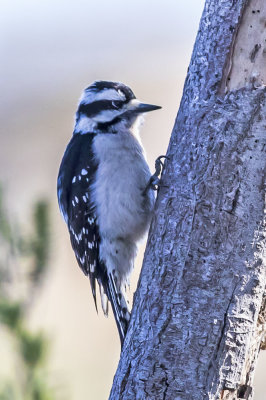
x=198 y=319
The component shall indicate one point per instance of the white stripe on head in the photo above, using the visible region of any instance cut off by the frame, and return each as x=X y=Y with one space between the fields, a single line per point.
x=89 y=96
x=107 y=115
x=85 y=125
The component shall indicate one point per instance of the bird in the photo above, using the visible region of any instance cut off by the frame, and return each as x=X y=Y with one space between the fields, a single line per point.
x=106 y=191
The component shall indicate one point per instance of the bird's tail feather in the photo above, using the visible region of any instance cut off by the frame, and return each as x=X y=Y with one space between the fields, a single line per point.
x=104 y=300
x=119 y=306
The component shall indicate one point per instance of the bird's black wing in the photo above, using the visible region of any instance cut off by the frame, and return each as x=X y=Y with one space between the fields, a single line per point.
x=76 y=174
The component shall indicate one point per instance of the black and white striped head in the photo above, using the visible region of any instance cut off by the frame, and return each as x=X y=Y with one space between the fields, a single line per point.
x=104 y=105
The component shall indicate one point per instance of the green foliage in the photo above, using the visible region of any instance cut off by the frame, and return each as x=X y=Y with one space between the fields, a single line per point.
x=40 y=241
x=23 y=262
x=7 y=392
x=5 y=228
x=10 y=313
x=39 y=390
x=32 y=348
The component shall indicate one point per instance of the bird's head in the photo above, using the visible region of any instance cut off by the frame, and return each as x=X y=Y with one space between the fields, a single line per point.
x=105 y=105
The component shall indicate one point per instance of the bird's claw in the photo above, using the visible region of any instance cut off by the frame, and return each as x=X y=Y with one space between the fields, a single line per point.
x=154 y=181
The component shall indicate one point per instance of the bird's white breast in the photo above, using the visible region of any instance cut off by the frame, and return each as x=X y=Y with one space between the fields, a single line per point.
x=122 y=175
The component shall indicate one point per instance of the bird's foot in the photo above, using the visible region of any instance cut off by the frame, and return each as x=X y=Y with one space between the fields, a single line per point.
x=155 y=181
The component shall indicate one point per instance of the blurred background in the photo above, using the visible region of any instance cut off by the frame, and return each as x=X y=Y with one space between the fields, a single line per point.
x=50 y=51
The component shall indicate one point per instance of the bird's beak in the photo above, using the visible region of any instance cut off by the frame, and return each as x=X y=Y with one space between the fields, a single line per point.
x=138 y=107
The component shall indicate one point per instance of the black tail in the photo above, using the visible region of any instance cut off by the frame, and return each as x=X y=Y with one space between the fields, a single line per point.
x=119 y=307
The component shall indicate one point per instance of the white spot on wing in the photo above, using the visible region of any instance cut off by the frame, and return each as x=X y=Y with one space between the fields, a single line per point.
x=90 y=220
x=74 y=179
x=84 y=172
x=82 y=259
x=78 y=237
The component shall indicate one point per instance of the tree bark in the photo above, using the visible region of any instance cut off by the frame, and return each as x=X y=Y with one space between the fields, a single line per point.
x=198 y=319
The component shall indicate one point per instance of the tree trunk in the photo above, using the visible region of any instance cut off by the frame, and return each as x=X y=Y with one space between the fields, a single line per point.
x=198 y=319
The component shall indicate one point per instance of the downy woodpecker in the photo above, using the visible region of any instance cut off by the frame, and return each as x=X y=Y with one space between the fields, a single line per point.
x=105 y=190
